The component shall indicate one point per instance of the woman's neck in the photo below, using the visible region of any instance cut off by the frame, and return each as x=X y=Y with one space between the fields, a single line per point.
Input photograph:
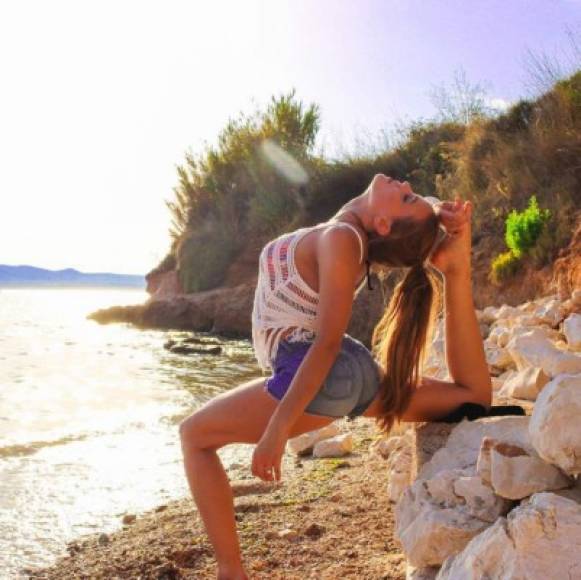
x=355 y=212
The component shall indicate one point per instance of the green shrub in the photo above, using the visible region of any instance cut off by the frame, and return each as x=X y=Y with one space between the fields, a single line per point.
x=504 y=266
x=524 y=228
x=203 y=260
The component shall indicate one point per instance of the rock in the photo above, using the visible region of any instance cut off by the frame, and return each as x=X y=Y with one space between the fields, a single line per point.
x=387 y=445
x=163 y=284
x=499 y=336
x=314 y=530
x=202 y=340
x=129 y=518
x=554 y=427
x=498 y=358
x=514 y=474
x=533 y=350
x=399 y=481
x=538 y=540
x=525 y=384
x=572 y=331
x=289 y=534
x=428 y=573
x=506 y=311
x=434 y=520
x=303 y=444
x=103 y=539
x=463 y=445
x=435 y=365
x=334 y=447
x=550 y=313
x=183 y=349
x=488 y=315
x=399 y=464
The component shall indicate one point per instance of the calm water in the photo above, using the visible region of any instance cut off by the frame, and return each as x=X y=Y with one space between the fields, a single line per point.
x=89 y=418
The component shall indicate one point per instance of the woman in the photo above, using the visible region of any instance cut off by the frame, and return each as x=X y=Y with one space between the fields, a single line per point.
x=302 y=307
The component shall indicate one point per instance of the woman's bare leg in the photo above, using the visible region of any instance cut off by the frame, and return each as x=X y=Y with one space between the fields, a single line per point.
x=237 y=416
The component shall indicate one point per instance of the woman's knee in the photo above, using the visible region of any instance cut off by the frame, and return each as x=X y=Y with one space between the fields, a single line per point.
x=193 y=430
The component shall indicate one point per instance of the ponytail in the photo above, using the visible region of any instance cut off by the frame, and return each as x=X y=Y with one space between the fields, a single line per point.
x=400 y=339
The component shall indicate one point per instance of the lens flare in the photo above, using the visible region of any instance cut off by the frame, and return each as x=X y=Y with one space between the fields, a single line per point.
x=284 y=163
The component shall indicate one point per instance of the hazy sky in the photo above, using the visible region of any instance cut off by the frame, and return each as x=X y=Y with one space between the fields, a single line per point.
x=100 y=100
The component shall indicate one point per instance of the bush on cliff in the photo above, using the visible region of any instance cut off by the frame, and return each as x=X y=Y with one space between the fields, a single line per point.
x=233 y=191
x=523 y=232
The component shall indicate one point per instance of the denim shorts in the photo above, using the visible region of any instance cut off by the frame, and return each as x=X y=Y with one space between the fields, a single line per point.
x=349 y=388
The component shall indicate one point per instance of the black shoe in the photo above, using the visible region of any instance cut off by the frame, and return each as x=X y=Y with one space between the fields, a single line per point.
x=473 y=411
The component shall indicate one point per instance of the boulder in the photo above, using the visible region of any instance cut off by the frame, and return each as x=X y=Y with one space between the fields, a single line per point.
x=462 y=447
x=514 y=474
x=554 y=426
x=572 y=331
x=437 y=517
x=498 y=358
x=539 y=540
x=525 y=384
x=550 y=313
x=531 y=349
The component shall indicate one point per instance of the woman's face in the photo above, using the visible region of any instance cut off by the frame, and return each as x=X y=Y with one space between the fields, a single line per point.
x=392 y=199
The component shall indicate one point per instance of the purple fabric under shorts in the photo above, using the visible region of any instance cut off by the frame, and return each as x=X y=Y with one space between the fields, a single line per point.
x=349 y=388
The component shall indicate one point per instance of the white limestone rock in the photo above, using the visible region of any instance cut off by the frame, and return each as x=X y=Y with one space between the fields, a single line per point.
x=550 y=313
x=334 y=447
x=555 y=430
x=463 y=445
x=487 y=316
x=572 y=331
x=498 y=358
x=303 y=444
x=480 y=500
x=531 y=349
x=399 y=481
x=514 y=474
x=387 y=445
x=436 y=518
x=537 y=541
x=506 y=311
x=399 y=465
x=525 y=384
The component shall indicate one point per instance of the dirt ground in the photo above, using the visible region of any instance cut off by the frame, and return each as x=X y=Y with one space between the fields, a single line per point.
x=340 y=520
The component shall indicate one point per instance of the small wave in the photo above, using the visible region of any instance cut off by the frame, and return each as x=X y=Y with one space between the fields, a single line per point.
x=19 y=450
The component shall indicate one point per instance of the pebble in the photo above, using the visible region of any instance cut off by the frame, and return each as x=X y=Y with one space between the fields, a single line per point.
x=289 y=534
x=314 y=530
x=103 y=539
x=129 y=518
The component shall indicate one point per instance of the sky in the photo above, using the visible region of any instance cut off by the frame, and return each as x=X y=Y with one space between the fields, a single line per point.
x=100 y=101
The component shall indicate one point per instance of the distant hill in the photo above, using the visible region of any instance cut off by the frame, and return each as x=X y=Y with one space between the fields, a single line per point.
x=14 y=276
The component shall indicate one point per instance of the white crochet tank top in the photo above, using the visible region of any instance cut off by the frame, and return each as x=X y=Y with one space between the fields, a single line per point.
x=283 y=300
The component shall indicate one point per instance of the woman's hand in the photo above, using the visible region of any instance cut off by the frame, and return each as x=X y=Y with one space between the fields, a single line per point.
x=267 y=456
x=452 y=256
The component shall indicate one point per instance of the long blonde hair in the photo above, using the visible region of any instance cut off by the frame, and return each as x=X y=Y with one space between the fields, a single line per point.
x=400 y=338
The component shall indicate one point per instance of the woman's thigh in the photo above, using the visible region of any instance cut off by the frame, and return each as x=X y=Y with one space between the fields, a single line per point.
x=240 y=415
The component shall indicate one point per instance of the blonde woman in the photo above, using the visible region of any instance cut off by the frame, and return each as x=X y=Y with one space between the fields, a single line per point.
x=307 y=282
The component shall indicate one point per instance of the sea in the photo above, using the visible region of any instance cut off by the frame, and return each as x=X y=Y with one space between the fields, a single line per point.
x=89 y=417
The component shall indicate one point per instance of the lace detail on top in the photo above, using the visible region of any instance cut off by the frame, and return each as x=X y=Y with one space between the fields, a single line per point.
x=282 y=299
